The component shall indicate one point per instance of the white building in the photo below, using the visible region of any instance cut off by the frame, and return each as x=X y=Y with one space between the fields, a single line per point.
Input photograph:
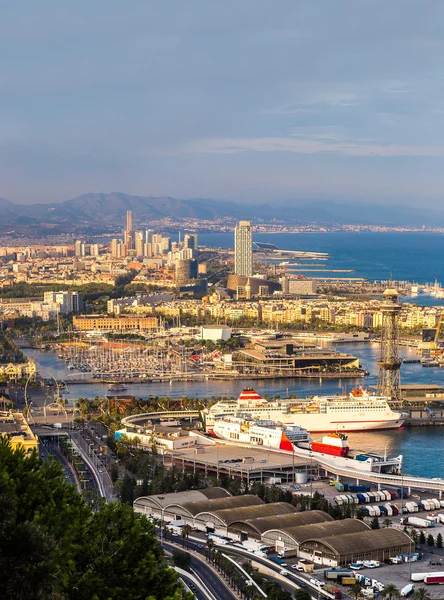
x=68 y=301
x=215 y=332
x=303 y=287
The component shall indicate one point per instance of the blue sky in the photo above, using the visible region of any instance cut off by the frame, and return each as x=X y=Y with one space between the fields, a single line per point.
x=244 y=100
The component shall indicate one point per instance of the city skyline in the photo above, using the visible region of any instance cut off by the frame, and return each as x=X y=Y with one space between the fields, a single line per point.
x=242 y=102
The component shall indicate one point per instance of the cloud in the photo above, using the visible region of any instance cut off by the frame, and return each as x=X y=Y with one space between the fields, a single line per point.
x=318 y=143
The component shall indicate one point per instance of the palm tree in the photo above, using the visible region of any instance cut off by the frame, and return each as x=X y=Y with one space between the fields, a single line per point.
x=186 y=530
x=210 y=546
x=390 y=592
x=355 y=591
x=387 y=522
x=421 y=594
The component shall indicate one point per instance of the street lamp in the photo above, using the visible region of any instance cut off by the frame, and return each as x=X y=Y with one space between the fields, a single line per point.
x=162 y=512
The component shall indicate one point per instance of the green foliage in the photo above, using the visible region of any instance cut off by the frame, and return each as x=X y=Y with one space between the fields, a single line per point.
x=182 y=559
x=55 y=545
x=421 y=594
x=302 y=595
x=422 y=538
x=391 y=592
x=439 y=541
x=374 y=523
x=430 y=540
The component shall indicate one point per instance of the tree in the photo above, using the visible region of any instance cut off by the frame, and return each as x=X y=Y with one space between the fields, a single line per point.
x=421 y=594
x=422 y=538
x=439 y=541
x=182 y=559
x=391 y=592
x=374 y=523
x=302 y=595
x=186 y=530
x=355 y=591
x=430 y=540
x=55 y=545
x=387 y=522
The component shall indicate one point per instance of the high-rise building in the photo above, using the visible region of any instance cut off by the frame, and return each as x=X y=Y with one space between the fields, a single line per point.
x=186 y=271
x=128 y=234
x=80 y=248
x=94 y=249
x=139 y=243
x=129 y=221
x=243 y=249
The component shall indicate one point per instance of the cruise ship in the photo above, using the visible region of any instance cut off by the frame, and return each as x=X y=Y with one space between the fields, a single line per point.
x=359 y=411
x=267 y=434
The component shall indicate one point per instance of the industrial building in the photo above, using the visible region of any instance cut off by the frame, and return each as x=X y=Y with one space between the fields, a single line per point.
x=312 y=535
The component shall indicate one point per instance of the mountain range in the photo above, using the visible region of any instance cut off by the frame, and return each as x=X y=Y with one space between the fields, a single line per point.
x=95 y=210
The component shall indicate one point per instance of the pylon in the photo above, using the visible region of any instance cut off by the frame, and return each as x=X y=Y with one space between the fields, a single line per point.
x=389 y=379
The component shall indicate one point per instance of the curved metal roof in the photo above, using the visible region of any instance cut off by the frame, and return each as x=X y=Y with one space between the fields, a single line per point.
x=216 y=505
x=160 y=501
x=371 y=540
x=229 y=516
x=282 y=521
x=322 y=530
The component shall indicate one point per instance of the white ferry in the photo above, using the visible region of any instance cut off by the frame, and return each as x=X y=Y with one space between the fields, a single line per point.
x=359 y=411
x=260 y=433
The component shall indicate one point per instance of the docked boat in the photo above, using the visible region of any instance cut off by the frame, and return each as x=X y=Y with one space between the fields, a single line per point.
x=335 y=444
x=358 y=411
x=117 y=387
x=260 y=433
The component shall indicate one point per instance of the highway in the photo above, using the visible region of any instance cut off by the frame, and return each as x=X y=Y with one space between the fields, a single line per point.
x=215 y=583
x=290 y=583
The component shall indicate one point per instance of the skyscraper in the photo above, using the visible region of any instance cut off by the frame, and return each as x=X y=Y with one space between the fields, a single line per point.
x=128 y=236
x=129 y=221
x=243 y=249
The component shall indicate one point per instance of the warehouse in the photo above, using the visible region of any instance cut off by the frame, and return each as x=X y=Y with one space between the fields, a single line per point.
x=255 y=527
x=157 y=504
x=341 y=550
x=289 y=539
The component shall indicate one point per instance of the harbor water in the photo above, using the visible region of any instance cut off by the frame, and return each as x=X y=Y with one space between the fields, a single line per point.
x=422 y=448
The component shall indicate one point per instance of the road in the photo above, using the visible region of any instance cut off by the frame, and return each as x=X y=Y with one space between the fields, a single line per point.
x=214 y=583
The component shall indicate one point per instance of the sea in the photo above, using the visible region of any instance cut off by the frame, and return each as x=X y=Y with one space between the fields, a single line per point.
x=406 y=256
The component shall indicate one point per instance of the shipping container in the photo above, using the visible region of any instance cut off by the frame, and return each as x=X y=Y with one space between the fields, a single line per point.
x=335 y=573
x=347 y=580
x=389 y=510
x=383 y=510
x=395 y=510
x=418 y=522
x=436 y=579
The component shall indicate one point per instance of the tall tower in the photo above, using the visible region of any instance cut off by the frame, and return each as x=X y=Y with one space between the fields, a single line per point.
x=389 y=364
x=243 y=249
x=129 y=221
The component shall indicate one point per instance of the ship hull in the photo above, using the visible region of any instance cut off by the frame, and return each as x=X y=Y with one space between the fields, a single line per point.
x=320 y=424
x=328 y=449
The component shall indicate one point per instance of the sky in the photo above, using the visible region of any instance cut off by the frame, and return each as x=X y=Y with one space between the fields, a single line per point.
x=244 y=100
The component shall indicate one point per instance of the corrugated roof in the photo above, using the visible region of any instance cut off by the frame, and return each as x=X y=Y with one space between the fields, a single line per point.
x=162 y=500
x=262 y=510
x=217 y=505
x=371 y=540
x=216 y=492
x=284 y=521
x=322 y=530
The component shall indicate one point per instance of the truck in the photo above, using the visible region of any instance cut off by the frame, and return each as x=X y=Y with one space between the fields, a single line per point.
x=434 y=578
x=336 y=573
x=434 y=502
x=423 y=576
x=417 y=522
x=388 y=510
x=254 y=546
x=347 y=580
x=278 y=561
x=331 y=589
x=407 y=590
x=57 y=425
